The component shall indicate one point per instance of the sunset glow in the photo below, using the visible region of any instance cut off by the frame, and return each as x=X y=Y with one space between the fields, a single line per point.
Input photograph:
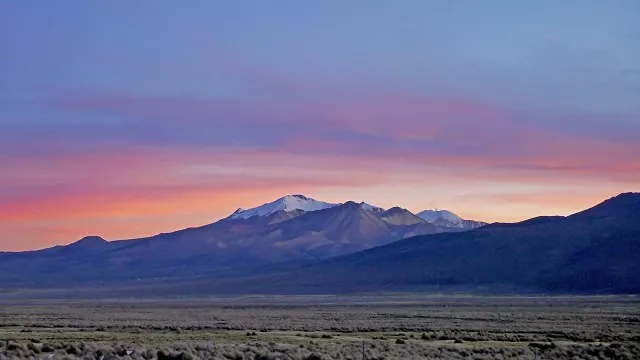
x=149 y=118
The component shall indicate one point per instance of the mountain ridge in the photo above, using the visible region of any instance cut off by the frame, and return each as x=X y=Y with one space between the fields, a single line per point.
x=572 y=254
x=286 y=203
x=281 y=209
x=594 y=251
x=446 y=220
x=278 y=235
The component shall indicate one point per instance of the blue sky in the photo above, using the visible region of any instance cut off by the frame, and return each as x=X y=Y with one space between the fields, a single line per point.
x=498 y=110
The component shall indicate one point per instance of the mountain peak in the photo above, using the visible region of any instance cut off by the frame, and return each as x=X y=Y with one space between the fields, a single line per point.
x=618 y=204
x=286 y=203
x=89 y=241
x=396 y=210
x=350 y=203
x=372 y=208
x=399 y=216
x=92 y=239
x=364 y=206
x=296 y=196
x=439 y=215
x=448 y=221
x=626 y=198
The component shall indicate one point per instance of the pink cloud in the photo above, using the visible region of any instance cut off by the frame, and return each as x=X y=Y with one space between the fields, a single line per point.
x=389 y=114
x=98 y=192
x=352 y=142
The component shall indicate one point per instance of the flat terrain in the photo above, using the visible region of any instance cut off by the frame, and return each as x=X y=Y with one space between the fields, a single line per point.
x=391 y=327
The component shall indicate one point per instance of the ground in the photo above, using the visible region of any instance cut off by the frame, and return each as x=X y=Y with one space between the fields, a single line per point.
x=326 y=327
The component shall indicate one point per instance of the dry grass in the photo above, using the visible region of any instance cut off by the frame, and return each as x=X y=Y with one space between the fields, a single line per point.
x=409 y=328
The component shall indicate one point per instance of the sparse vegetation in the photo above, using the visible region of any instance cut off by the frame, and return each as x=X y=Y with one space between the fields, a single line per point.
x=457 y=328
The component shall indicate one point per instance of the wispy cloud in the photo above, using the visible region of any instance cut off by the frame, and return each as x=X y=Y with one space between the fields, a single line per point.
x=131 y=130
x=393 y=126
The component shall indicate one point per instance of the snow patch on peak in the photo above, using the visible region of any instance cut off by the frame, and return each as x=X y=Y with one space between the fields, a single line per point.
x=448 y=220
x=371 y=208
x=286 y=203
x=298 y=196
x=432 y=216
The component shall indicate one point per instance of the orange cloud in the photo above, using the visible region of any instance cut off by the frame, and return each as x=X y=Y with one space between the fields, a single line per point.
x=394 y=149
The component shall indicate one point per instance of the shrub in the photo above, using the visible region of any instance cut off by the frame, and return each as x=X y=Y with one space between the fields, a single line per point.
x=48 y=348
x=542 y=346
x=72 y=350
x=13 y=346
x=33 y=347
x=173 y=356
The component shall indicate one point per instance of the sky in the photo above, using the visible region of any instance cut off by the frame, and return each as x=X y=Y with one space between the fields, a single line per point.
x=125 y=119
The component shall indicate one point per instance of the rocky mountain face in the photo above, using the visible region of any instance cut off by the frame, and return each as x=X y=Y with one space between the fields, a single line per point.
x=594 y=251
x=446 y=221
x=349 y=248
x=291 y=229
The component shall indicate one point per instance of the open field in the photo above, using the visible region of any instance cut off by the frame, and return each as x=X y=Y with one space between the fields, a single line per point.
x=399 y=327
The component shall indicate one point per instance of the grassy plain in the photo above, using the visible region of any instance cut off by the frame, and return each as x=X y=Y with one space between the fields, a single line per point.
x=327 y=327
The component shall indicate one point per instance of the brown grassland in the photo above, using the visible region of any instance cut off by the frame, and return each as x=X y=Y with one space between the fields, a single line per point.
x=392 y=327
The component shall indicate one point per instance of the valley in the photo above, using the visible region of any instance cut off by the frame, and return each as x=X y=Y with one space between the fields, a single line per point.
x=393 y=326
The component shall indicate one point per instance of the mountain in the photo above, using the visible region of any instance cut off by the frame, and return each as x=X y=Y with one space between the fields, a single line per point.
x=298 y=252
x=294 y=203
x=400 y=216
x=292 y=229
x=287 y=203
x=447 y=221
x=594 y=251
x=344 y=229
x=372 y=208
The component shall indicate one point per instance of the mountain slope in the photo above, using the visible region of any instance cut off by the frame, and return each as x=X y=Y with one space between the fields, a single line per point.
x=287 y=235
x=593 y=251
x=344 y=229
x=447 y=221
x=287 y=203
x=400 y=216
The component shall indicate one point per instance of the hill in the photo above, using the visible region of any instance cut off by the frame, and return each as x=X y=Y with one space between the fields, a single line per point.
x=348 y=249
x=594 y=251
x=277 y=232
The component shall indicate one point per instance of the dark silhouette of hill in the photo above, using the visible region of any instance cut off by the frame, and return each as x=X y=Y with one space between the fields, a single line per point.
x=594 y=251
x=293 y=237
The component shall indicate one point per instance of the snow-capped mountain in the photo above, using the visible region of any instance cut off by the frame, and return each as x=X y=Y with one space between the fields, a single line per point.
x=287 y=203
x=291 y=229
x=291 y=203
x=374 y=209
x=291 y=206
x=439 y=215
x=445 y=219
x=292 y=255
